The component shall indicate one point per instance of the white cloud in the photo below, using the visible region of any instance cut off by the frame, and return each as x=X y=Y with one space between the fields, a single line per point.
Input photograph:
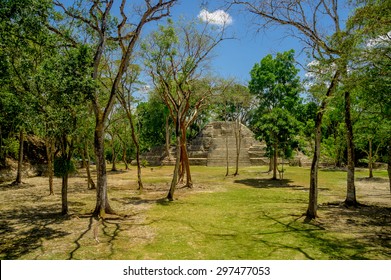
x=218 y=17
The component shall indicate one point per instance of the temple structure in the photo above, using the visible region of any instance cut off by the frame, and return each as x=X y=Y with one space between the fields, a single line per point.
x=209 y=148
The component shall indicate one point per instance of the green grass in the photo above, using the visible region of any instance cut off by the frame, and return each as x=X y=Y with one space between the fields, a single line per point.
x=255 y=218
x=243 y=217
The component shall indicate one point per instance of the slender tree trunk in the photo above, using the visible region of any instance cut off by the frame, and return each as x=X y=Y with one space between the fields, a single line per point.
x=83 y=159
x=90 y=181
x=181 y=172
x=20 y=158
x=275 y=158
x=137 y=145
x=271 y=163
x=185 y=157
x=351 y=189
x=66 y=154
x=313 y=198
x=174 y=182
x=226 y=149
x=124 y=158
x=50 y=157
x=389 y=163
x=370 y=159
x=113 y=157
x=102 y=203
x=168 y=134
x=313 y=194
x=64 y=194
x=238 y=142
x=2 y=152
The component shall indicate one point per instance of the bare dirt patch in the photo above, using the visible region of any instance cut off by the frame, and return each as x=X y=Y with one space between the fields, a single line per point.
x=369 y=223
x=30 y=221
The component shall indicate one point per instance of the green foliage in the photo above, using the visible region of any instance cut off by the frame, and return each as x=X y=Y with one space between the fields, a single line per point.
x=233 y=101
x=11 y=147
x=278 y=127
x=151 y=117
x=144 y=163
x=275 y=83
x=63 y=166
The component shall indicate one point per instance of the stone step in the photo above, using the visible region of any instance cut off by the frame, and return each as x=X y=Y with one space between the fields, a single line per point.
x=198 y=161
x=259 y=161
x=231 y=163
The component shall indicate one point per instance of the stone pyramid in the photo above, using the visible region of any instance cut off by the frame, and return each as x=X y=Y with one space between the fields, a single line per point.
x=209 y=148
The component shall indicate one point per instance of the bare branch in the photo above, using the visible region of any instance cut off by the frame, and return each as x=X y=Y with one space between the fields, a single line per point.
x=76 y=16
x=292 y=13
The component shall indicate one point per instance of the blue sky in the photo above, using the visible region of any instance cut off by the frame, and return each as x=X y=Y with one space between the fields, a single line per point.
x=236 y=57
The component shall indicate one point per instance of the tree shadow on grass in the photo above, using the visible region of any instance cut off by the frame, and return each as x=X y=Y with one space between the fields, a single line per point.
x=24 y=229
x=14 y=187
x=373 y=179
x=135 y=200
x=269 y=183
x=287 y=236
x=332 y=246
x=272 y=184
x=245 y=242
x=370 y=224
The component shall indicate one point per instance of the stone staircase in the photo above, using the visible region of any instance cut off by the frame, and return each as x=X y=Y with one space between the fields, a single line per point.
x=209 y=148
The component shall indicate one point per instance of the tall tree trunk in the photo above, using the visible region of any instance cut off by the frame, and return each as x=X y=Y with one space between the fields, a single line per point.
x=102 y=202
x=238 y=142
x=185 y=158
x=20 y=158
x=389 y=163
x=66 y=154
x=275 y=158
x=181 y=171
x=64 y=194
x=50 y=157
x=2 y=152
x=137 y=145
x=174 y=182
x=226 y=148
x=168 y=134
x=90 y=181
x=313 y=194
x=271 y=164
x=124 y=158
x=370 y=159
x=351 y=189
x=113 y=156
x=83 y=158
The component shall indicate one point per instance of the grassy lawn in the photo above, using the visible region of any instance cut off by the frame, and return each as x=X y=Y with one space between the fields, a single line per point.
x=243 y=217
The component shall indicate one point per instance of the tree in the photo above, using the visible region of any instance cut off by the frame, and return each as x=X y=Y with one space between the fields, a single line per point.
x=275 y=84
x=331 y=45
x=152 y=116
x=176 y=59
x=22 y=29
x=126 y=99
x=95 y=21
x=371 y=25
x=64 y=105
x=115 y=125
